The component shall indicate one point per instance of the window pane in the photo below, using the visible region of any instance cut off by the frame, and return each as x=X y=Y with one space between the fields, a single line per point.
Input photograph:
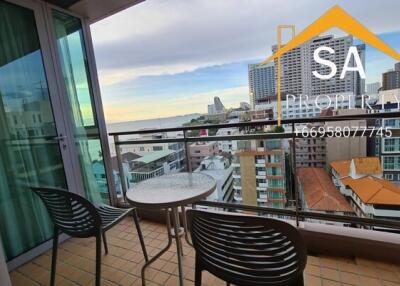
x=28 y=155
x=75 y=70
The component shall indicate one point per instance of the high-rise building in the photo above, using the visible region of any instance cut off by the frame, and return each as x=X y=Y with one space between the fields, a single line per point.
x=211 y=109
x=261 y=83
x=219 y=107
x=387 y=148
x=310 y=152
x=298 y=64
x=216 y=108
x=259 y=173
x=391 y=79
x=373 y=88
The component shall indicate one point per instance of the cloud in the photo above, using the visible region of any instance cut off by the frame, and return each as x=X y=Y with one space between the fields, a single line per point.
x=194 y=103
x=157 y=36
x=118 y=75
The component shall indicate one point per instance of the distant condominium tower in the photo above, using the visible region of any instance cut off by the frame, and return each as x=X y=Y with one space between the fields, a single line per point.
x=261 y=83
x=391 y=79
x=298 y=64
x=373 y=88
x=217 y=107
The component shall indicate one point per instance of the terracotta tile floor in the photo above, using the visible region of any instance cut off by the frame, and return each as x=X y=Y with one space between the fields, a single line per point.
x=123 y=263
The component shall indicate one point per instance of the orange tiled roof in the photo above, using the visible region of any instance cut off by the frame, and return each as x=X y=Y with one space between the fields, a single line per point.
x=363 y=166
x=319 y=191
x=367 y=165
x=372 y=190
x=341 y=167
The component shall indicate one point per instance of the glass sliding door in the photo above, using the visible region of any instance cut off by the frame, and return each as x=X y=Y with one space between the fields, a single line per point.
x=30 y=154
x=74 y=65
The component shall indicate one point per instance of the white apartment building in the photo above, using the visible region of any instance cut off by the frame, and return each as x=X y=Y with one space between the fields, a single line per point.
x=155 y=164
x=219 y=168
x=310 y=106
x=227 y=145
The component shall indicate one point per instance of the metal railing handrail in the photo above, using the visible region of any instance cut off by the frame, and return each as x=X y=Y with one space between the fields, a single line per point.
x=290 y=121
x=305 y=214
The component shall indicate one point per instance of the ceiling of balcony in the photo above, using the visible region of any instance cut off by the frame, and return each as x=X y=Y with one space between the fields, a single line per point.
x=63 y=3
x=95 y=10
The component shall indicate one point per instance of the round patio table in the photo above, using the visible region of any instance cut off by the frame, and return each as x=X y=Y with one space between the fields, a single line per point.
x=171 y=192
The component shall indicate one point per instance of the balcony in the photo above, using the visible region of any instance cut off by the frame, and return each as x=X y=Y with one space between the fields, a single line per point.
x=123 y=263
x=356 y=247
x=338 y=253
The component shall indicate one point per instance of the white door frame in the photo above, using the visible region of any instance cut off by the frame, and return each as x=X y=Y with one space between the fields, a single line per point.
x=4 y=275
x=60 y=107
x=95 y=88
x=100 y=113
x=55 y=101
x=60 y=124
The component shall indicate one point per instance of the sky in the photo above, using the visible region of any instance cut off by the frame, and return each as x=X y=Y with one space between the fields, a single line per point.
x=165 y=58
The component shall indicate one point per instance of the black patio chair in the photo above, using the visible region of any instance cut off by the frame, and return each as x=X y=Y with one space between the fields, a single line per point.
x=247 y=250
x=77 y=217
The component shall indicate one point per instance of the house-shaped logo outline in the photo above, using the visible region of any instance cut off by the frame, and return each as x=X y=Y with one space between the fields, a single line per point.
x=336 y=17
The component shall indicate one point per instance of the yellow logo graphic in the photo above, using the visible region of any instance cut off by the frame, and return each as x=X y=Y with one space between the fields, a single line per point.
x=335 y=17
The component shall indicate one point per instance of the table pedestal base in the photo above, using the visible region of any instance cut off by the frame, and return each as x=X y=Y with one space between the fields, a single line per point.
x=176 y=229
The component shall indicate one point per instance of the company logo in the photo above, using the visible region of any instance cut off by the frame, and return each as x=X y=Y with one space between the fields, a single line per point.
x=336 y=17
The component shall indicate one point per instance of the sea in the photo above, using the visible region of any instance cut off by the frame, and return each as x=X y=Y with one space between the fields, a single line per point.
x=165 y=122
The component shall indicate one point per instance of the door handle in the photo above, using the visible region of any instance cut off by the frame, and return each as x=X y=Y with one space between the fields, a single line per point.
x=60 y=137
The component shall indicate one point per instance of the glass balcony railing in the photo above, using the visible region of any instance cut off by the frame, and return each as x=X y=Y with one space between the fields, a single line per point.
x=277 y=174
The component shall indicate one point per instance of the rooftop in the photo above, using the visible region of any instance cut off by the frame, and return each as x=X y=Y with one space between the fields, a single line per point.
x=123 y=263
x=367 y=165
x=154 y=156
x=319 y=191
x=372 y=190
x=363 y=166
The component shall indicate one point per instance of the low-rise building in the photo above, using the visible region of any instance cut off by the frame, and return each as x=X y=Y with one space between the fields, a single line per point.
x=155 y=164
x=146 y=148
x=226 y=145
x=318 y=194
x=199 y=150
x=220 y=169
x=360 y=180
x=309 y=106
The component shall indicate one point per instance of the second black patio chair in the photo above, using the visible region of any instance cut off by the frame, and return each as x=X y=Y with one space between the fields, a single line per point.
x=77 y=217
x=247 y=250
